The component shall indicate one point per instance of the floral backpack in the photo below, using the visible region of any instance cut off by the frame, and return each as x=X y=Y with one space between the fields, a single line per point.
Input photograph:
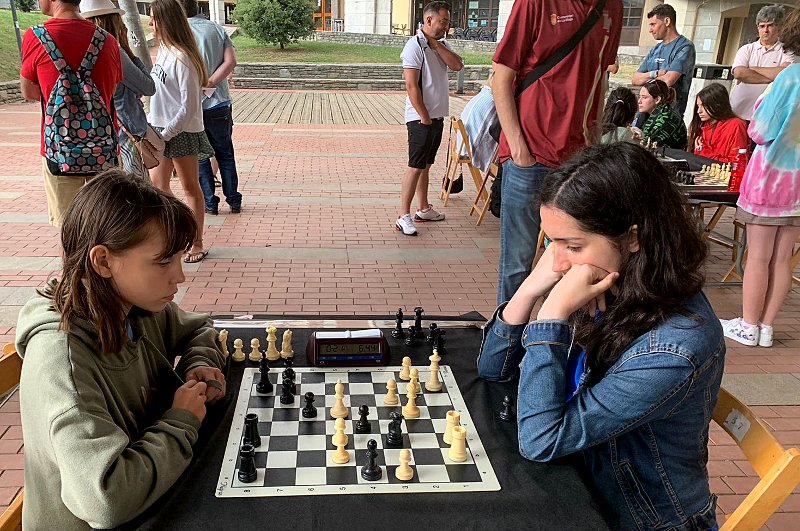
x=79 y=136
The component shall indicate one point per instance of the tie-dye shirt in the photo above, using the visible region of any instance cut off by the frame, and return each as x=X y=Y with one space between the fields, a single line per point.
x=771 y=183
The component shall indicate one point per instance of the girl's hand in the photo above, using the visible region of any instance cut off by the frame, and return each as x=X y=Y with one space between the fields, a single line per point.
x=582 y=285
x=698 y=144
x=191 y=396
x=539 y=282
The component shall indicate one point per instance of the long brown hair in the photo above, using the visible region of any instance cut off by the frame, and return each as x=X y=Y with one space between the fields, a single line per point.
x=659 y=89
x=174 y=30
x=119 y=211
x=112 y=23
x=717 y=104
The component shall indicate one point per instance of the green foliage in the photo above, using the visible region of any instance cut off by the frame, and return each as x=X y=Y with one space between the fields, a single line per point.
x=26 y=6
x=275 y=21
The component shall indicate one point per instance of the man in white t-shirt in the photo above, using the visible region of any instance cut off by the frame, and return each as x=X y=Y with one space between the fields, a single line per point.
x=425 y=64
x=757 y=63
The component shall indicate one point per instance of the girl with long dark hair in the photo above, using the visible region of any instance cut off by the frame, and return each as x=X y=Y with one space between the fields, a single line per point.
x=664 y=125
x=716 y=132
x=618 y=114
x=624 y=357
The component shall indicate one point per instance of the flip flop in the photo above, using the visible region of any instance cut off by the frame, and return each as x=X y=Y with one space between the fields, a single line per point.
x=194 y=257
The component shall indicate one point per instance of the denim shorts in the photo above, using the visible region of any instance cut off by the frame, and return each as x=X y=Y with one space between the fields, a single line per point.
x=423 y=142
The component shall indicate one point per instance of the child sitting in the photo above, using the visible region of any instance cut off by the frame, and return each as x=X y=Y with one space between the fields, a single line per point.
x=108 y=423
x=716 y=132
x=618 y=113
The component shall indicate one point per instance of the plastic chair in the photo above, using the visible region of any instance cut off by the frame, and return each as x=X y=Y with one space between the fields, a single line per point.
x=10 y=370
x=778 y=468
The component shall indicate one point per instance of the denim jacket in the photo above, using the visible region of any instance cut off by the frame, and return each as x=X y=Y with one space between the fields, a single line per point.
x=642 y=428
x=136 y=82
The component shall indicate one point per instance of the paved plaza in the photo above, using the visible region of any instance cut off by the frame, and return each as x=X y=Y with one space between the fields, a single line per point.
x=320 y=176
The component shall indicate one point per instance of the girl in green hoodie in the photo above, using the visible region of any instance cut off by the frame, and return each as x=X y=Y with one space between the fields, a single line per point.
x=109 y=416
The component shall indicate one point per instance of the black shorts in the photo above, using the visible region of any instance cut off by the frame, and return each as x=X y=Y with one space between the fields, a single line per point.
x=423 y=142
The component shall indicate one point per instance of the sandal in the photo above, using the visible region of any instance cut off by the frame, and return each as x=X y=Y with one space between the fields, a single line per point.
x=194 y=256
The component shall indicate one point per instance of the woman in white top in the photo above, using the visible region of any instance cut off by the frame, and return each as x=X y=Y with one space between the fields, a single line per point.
x=176 y=111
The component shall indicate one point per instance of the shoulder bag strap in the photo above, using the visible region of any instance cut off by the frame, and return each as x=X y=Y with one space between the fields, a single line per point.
x=546 y=65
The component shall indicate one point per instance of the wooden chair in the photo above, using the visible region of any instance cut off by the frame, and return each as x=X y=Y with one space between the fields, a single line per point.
x=460 y=155
x=10 y=369
x=778 y=468
x=794 y=262
x=481 y=203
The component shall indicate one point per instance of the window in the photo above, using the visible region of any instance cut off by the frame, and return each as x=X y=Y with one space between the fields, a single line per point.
x=632 y=11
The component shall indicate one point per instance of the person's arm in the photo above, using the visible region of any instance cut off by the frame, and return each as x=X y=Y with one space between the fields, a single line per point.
x=680 y=65
x=748 y=75
x=189 y=84
x=769 y=72
x=28 y=75
x=224 y=69
x=771 y=111
x=643 y=75
x=411 y=76
x=136 y=77
x=29 y=89
x=191 y=336
x=669 y=77
x=450 y=58
x=506 y=105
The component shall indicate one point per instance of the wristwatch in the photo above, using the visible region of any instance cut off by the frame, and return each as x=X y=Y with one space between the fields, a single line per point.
x=653 y=74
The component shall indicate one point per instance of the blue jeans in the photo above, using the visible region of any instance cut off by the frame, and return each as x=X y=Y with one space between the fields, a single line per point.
x=519 y=225
x=218 y=123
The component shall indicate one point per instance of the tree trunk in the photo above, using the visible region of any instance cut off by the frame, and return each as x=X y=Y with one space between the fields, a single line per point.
x=136 y=36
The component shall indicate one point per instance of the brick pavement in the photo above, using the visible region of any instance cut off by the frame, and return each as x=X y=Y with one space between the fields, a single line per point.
x=316 y=237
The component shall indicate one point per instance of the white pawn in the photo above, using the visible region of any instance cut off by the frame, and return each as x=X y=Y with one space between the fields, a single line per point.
x=272 y=352
x=223 y=343
x=458 y=450
x=339 y=438
x=434 y=384
x=391 y=396
x=703 y=170
x=410 y=410
x=453 y=420
x=340 y=456
x=255 y=353
x=238 y=353
x=286 y=345
x=415 y=380
x=339 y=410
x=404 y=472
x=405 y=372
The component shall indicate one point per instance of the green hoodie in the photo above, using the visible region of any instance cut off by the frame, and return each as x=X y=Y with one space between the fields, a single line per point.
x=102 y=442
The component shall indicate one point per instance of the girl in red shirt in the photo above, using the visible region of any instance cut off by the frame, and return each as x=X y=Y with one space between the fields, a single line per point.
x=716 y=132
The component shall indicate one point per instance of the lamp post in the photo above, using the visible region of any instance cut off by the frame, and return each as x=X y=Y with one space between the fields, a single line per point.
x=16 y=27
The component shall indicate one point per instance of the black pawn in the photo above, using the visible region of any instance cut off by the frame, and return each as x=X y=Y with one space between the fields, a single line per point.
x=309 y=411
x=287 y=397
x=288 y=381
x=433 y=330
x=507 y=413
x=410 y=339
x=371 y=471
x=288 y=372
x=398 y=331
x=440 y=342
x=251 y=435
x=418 y=311
x=394 y=435
x=363 y=425
x=288 y=363
x=263 y=385
x=247 y=464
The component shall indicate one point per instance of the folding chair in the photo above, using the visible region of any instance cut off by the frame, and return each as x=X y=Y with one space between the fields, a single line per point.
x=10 y=369
x=794 y=262
x=778 y=467
x=481 y=203
x=460 y=154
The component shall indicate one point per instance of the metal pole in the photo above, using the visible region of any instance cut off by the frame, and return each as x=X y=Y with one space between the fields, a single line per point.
x=460 y=82
x=16 y=27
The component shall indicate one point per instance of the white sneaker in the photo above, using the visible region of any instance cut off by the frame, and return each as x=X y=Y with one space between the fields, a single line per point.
x=764 y=335
x=406 y=225
x=740 y=332
x=429 y=214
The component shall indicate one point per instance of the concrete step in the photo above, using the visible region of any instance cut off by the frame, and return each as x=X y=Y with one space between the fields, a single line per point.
x=335 y=84
x=341 y=71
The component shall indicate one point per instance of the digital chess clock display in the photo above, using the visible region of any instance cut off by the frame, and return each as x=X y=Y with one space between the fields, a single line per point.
x=328 y=348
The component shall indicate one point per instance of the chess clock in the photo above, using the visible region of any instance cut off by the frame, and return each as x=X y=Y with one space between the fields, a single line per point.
x=364 y=348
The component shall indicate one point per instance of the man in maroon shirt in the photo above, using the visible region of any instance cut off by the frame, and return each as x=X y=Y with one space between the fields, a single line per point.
x=552 y=119
x=38 y=75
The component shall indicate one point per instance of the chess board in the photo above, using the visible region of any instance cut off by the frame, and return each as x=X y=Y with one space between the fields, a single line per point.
x=294 y=458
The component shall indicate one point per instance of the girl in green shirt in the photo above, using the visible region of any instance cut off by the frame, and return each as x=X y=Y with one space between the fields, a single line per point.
x=664 y=126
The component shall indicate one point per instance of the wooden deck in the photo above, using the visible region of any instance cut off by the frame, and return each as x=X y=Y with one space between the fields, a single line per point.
x=306 y=107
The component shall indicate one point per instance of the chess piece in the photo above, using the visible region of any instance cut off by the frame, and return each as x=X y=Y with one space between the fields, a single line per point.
x=703 y=170
x=251 y=435
x=507 y=413
x=453 y=420
x=247 y=464
x=410 y=410
x=263 y=386
x=371 y=471
x=286 y=346
x=222 y=338
x=339 y=438
x=288 y=372
x=394 y=433
x=288 y=377
x=404 y=472
x=391 y=396
x=340 y=456
x=433 y=329
x=411 y=338
x=339 y=410
x=363 y=425
x=441 y=339
x=415 y=380
x=255 y=353
x=309 y=411
x=418 y=311
x=434 y=384
x=287 y=397
x=238 y=353
x=405 y=372
x=272 y=338
x=458 y=449
x=398 y=327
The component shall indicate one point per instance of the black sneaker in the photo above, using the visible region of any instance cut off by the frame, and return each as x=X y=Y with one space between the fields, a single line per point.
x=236 y=210
x=212 y=211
